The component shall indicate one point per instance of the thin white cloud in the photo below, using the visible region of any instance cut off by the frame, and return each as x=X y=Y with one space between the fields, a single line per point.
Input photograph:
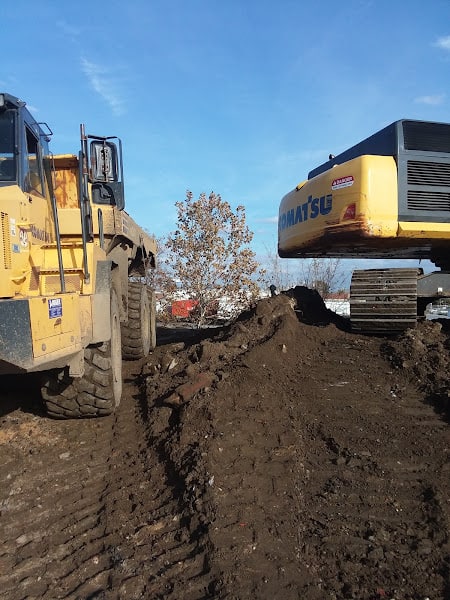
x=431 y=100
x=68 y=29
x=267 y=220
x=8 y=83
x=105 y=84
x=443 y=43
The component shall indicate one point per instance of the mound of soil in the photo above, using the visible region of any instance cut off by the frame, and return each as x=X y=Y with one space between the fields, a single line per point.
x=423 y=354
x=310 y=465
x=279 y=457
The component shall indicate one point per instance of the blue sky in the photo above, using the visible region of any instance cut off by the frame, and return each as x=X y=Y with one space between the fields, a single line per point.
x=242 y=97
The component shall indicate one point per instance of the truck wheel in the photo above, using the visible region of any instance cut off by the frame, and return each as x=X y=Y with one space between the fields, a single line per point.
x=98 y=392
x=139 y=332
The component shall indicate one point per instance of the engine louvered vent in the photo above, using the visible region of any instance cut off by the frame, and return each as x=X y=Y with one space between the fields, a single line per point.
x=428 y=200
x=428 y=173
x=427 y=137
x=6 y=235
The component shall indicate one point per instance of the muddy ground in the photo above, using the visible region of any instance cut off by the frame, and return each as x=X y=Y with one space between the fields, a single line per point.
x=279 y=457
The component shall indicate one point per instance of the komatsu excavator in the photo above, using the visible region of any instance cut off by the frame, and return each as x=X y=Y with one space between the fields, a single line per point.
x=387 y=197
x=73 y=263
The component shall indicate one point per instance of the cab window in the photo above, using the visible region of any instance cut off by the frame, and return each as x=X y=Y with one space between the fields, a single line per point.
x=33 y=165
x=7 y=159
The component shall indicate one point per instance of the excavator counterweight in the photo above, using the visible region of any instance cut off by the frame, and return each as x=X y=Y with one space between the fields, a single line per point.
x=387 y=197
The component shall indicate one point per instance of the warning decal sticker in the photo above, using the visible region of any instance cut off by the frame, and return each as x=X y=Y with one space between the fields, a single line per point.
x=342 y=182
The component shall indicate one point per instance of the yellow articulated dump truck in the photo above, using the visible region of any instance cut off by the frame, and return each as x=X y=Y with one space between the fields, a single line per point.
x=387 y=197
x=73 y=295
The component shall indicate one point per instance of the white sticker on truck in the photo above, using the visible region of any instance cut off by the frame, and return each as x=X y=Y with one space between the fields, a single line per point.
x=54 y=308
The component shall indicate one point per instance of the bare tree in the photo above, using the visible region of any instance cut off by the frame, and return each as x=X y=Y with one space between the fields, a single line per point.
x=211 y=254
x=161 y=279
x=279 y=271
x=322 y=274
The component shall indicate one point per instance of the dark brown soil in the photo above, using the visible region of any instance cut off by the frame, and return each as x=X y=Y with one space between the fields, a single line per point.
x=280 y=457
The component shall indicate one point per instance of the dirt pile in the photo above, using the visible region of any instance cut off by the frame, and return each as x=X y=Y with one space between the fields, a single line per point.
x=279 y=457
x=307 y=463
x=423 y=354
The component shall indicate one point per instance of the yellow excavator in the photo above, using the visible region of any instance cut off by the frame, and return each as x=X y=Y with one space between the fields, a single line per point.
x=387 y=197
x=73 y=267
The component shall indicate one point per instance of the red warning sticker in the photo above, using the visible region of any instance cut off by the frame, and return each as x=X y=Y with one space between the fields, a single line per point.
x=342 y=182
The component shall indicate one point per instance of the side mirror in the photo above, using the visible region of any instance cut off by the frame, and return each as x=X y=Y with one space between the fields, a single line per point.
x=105 y=173
x=104 y=161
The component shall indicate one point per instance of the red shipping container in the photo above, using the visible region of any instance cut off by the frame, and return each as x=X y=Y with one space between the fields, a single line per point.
x=182 y=308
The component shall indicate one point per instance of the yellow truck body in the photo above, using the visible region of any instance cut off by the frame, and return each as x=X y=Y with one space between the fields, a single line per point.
x=68 y=253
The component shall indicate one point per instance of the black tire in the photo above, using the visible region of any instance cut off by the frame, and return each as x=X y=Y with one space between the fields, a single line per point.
x=99 y=391
x=152 y=305
x=139 y=332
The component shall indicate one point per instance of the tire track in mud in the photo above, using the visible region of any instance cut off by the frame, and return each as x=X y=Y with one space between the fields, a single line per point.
x=378 y=482
x=318 y=469
x=308 y=468
x=51 y=511
x=90 y=513
x=257 y=494
x=151 y=550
